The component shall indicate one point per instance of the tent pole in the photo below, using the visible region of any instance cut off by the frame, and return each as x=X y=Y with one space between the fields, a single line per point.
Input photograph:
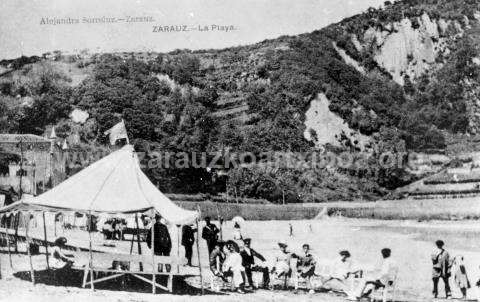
x=90 y=263
x=45 y=239
x=178 y=249
x=8 y=239
x=153 y=255
x=32 y=272
x=131 y=243
x=198 y=255
x=17 y=222
x=139 y=245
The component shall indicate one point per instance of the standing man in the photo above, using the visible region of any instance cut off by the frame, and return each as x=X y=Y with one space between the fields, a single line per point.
x=210 y=234
x=163 y=244
x=188 y=239
x=248 y=261
x=441 y=268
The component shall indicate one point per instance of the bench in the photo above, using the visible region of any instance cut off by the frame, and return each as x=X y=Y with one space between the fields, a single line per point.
x=124 y=264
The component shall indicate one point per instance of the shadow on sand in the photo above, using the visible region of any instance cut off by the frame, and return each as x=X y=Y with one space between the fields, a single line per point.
x=73 y=278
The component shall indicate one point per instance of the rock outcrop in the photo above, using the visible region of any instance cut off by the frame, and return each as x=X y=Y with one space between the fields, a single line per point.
x=410 y=47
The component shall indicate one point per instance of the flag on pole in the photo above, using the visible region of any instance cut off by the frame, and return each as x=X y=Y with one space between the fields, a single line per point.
x=117 y=132
x=53 y=134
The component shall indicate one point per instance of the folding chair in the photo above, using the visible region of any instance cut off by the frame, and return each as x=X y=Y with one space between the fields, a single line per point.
x=284 y=278
x=383 y=293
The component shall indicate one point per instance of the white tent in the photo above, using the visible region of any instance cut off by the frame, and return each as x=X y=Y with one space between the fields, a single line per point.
x=114 y=184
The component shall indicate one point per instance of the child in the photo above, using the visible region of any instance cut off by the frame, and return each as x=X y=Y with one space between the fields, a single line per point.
x=460 y=275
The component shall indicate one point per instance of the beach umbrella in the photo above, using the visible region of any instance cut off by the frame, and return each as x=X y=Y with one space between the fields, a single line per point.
x=238 y=219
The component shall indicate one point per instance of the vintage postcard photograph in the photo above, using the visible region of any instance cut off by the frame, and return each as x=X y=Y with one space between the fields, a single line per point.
x=249 y=150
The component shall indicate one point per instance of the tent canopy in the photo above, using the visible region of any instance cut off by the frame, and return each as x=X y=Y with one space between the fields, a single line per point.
x=114 y=184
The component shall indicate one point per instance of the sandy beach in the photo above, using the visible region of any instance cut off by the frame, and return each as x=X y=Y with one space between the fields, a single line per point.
x=411 y=243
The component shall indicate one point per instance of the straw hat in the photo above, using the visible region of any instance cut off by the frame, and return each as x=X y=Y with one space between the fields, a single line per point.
x=282 y=243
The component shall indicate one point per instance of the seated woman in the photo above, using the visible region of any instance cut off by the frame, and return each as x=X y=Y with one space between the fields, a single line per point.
x=233 y=266
x=342 y=269
x=60 y=260
x=281 y=266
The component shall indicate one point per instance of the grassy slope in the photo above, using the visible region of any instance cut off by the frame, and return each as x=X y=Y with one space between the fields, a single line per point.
x=443 y=209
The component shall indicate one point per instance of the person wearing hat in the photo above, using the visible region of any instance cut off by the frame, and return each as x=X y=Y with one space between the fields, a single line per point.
x=342 y=269
x=237 y=232
x=210 y=234
x=248 y=261
x=441 y=267
x=58 y=259
x=188 y=239
x=163 y=243
x=282 y=260
x=232 y=266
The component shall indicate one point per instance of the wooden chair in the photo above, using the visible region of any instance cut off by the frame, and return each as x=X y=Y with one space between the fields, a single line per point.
x=274 y=278
x=388 y=292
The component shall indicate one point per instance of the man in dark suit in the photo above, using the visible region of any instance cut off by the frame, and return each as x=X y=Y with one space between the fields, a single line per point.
x=163 y=244
x=188 y=239
x=210 y=234
x=248 y=261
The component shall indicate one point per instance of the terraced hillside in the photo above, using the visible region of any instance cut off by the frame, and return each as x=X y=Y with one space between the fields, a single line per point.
x=397 y=79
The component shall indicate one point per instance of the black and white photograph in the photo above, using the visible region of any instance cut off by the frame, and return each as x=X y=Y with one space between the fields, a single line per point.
x=249 y=150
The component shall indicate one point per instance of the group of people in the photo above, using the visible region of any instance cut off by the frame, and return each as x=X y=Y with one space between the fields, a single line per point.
x=443 y=267
x=237 y=259
x=112 y=229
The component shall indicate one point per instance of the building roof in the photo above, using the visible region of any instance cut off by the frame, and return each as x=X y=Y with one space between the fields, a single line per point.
x=26 y=138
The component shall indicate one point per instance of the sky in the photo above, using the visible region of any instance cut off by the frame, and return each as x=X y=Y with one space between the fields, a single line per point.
x=247 y=22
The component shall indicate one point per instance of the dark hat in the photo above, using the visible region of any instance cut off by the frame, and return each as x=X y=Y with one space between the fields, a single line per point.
x=220 y=244
x=60 y=241
x=345 y=253
x=247 y=240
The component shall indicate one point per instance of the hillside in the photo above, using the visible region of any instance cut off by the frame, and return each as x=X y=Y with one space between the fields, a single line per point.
x=398 y=79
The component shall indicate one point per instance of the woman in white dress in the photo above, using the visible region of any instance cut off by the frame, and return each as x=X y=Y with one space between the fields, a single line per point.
x=60 y=260
x=233 y=266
